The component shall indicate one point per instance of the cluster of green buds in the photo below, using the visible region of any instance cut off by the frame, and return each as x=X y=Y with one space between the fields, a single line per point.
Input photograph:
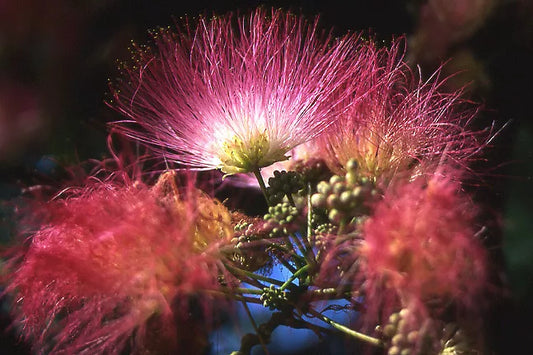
x=250 y=254
x=274 y=298
x=344 y=197
x=400 y=336
x=312 y=170
x=325 y=228
x=284 y=183
x=244 y=232
x=281 y=218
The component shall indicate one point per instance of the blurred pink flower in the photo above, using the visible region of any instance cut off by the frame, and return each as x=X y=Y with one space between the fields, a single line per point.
x=443 y=25
x=117 y=265
x=21 y=118
x=401 y=122
x=420 y=249
x=236 y=95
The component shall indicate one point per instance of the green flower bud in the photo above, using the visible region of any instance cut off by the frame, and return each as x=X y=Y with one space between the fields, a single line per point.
x=332 y=201
x=399 y=340
x=335 y=216
x=346 y=198
x=412 y=337
x=338 y=187
x=323 y=187
x=335 y=179
x=394 y=350
x=394 y=318
x=351 y=165
x=318 y=200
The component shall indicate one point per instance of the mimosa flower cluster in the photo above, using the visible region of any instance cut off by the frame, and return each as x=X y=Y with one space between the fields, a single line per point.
x=214 y=97
x=115 y=258
x=366 y=205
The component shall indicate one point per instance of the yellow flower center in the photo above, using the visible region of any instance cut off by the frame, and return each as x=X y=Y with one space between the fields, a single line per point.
x=239 y=156
x=213 y=223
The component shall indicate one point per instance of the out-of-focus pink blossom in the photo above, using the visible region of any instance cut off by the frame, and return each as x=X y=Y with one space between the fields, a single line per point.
x=462 y=17
x=236 y=94
x=401 y=122
x=118 y=265
x=445 y=23
x=21 y=119
x=420 y=250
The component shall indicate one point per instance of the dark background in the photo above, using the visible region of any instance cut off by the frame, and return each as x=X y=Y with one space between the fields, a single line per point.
x=56 y=58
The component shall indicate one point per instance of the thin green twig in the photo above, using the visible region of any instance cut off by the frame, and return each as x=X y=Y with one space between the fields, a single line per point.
x=243 y=290
x=235 y=297
x=254 y=325
x=294 y=277
x=310 y=255
x=259 y=177
x=346 y=330
x=252 y=275
x=291 y=200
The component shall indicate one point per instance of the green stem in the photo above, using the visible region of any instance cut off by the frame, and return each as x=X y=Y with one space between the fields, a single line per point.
x=325 y=291
x=309 y=213
x=333 y=294
x=238 y=271
x=287 y=251
x=254 y=325
x=294 y=277
x=307 y=241
x=296 y=241
x=235 y=297
x=257 y=173
x=286 y=264
x=303 y=259
x=243 y=290
x=346 y=330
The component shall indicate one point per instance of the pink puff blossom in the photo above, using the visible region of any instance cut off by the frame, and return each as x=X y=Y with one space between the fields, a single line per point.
x=236 y=94
x=117 y=265
x=401 y=122
x=420 y=249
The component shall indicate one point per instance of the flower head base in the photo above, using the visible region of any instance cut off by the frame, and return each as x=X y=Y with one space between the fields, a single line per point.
x=302 y=157
x=241 y=156
x=236 y=98
x=116 y=262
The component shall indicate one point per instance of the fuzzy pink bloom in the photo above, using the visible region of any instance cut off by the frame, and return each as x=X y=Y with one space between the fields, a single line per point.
x=401 y=122
x=117 y=265
x=236 y=94
x=420 y=246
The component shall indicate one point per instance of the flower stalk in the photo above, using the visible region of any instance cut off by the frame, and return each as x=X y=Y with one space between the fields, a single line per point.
x=294 y=276
x=261 y=182
x=357 y=335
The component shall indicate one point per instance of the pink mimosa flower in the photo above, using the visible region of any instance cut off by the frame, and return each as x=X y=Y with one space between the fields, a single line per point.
x=401 y=122
x=116 y=266
x=420 y=247
x=236 y=95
